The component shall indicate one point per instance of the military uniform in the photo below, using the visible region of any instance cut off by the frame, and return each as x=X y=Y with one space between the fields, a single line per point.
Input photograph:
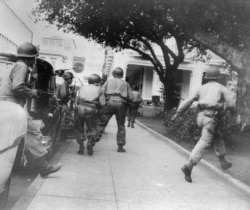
x=14 y=84
x=90 y=98
x=212 y=100
x=14 y=88
x=133 y=108
x=117 y=93
x=63 y=94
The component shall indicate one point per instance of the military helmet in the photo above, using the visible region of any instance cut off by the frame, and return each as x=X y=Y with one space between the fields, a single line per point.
x=68 y=75
x=212 y=73
x=94 y=78
x=27 y=50
x=118 y=72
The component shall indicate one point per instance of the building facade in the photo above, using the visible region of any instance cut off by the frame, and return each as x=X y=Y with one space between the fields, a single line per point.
x=13 y=29
x=190 y=74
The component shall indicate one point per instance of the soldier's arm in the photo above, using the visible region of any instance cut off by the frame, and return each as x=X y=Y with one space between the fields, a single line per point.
x=229 y=97
x=104 y=87
x=140 y=98
x=18 y=82
x=102 y=100
x=64 y=92
x=58 y=92
x=185 y=105
x=130 y=94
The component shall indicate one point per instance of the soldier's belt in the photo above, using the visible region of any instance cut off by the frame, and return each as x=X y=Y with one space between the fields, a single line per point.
x=87 y=104
x=116 y=99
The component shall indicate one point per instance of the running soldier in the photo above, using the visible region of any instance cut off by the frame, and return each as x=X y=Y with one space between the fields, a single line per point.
x=213 y=99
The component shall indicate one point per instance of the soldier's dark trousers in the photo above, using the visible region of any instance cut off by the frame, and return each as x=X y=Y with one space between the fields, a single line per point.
x=119 y=110
x=86 y=114
x=132 y=112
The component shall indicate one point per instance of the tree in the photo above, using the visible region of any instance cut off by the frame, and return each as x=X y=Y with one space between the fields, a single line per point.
x=220 y=25
x=223 y=27
x=136 y=25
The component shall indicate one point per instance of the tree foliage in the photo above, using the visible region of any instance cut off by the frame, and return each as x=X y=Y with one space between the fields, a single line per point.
x=221 y=25
x=138 y=25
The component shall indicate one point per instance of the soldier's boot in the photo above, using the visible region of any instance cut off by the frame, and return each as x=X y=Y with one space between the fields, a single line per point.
x=81 y=146
x=224 y=163
x=121 y=149
x=47 y=169
x=187 y=170
x=90 y=148
x=132 y=125
x=128 y=123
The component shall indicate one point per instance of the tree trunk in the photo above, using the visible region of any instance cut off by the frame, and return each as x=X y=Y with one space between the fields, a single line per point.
x=171 y=96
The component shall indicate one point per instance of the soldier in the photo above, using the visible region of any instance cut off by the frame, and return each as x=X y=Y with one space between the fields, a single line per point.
x=134 y=106
x=90 y=99
x=117 y=93
x=63 y=93
x=213 y=99
x=15 y=89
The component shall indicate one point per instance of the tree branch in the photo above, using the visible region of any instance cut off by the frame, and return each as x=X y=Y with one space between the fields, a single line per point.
x=152 y=52
x=147 y=56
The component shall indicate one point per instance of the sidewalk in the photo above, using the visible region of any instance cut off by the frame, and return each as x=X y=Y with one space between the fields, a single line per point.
x=146 y=177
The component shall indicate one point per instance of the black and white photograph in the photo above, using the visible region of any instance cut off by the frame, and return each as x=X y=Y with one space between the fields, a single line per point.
x=124 y=104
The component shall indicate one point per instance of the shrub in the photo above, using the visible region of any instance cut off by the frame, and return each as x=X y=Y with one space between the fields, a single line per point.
x=186 y=129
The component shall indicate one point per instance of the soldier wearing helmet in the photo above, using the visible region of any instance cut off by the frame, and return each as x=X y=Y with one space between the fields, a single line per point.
x=64 y=96
x=212 y=99
x=134 y=106
x=15 y=87
x=118 y=95
x=117 y=73
x=63 y=92
x=90 y=99
x=17 y=91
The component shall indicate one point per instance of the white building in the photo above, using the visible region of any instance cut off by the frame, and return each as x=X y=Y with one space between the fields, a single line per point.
x=82 y=58
x=141 y=72
x=13 y=28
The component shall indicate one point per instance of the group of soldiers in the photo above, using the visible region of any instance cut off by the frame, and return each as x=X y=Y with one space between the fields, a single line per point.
x=97 y=102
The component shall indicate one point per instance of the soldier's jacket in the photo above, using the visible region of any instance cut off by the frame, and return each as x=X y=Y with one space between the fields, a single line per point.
x=63 y=93
x=117 y=86
x=91 y=93
x=212 y=95
x=15 y=83
x=136 y=96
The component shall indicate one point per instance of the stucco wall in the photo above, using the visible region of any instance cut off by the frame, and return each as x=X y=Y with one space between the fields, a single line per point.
x=12 y=26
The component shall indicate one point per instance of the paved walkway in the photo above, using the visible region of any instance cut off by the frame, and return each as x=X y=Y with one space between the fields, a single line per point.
x=146 y=177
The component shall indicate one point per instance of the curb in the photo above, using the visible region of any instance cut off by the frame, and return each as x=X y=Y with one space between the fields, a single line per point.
x=243 y=187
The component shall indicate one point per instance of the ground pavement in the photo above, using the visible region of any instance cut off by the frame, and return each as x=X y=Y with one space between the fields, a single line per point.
x=146 y=177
